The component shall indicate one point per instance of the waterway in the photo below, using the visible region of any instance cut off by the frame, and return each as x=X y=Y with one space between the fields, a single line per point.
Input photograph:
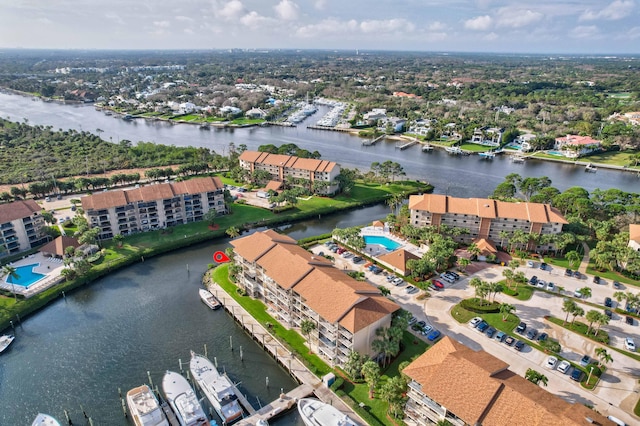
x=79 y=350
x=462 y=176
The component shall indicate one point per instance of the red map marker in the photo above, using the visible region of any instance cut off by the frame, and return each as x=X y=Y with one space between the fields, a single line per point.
x=220 y=257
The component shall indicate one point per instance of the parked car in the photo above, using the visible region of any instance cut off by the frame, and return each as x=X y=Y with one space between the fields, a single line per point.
x=596 y=279
x=628 y=319
x=542 y=337
x=347 y=255
x=521 y=328
x=397 y=281
x=551 y=362
x=568 y=272
x=585 y=360
x=617 y=285
x=500 y=336
x=421 y=324
x=577 y=294
x=608 y=313
x=541 y=284
x=509 y=340
x=453 y=274
x=357 y=259
x=519 y=346
x=530 y=263
x=433 y=335
x=551 y=286
x=391 y=277
x=577 y=375
x=437 y=284
x=564 y=366
x=328 y=243
x=475 y=321
x=490 y=332
x=448 y=278
x=629 y=344
x=608 y=302
x=413 y=320
x=482 y=327
x=577 y=274
x=532 y=333
x=533 y=280
x=411 y=289
x=543 y=266
x=426 y=330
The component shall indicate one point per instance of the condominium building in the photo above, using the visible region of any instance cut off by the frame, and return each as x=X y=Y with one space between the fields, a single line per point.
x=296 y=286
x=485 y=218
x=634 y=236
x=282 y=166
x=153 y=206
x=451 y=382
x=21 y=227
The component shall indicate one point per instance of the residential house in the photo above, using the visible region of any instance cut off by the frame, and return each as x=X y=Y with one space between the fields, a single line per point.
x=573 y=146
x=485 y=218
x=524 y=141
x=297 y=286
x=256 y=113
x=187 y=107
x=634 y=236
x=397 y=261
x=153 y=206
x=21 y=227
x=374 y=115
x=453 y=383
x=420 y=127
x=231 y=110
x=488 y=136
x=281 y=166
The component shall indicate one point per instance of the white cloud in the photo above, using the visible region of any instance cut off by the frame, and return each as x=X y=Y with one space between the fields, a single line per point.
x=230 y=10
x=162 y=24
x=585 y=32
x=386 y=26
x=115 y=18
x=479 y=23
x=633 y=33
x=437 y=26
x=320 y=4
x=254 y=20
x=491 y=36
x=612 y=12
x=183 y=18
x=45 y=21
x=287 y=10
x=516 y=17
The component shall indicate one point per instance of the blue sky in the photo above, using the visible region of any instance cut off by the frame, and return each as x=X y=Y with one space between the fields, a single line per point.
x=541 y=26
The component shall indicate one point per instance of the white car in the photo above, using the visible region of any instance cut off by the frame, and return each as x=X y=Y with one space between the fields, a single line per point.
x=577 y=294
x=630 y=344
x=475 y=321
x=541 y=284
x=530 y=264
x=551 y=286
x=564 y=366
x=397 y=281
x=551 y=362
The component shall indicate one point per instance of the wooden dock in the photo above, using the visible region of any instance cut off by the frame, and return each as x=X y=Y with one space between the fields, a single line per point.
x=373 y=141
x=404 y=145
x=285 y=403
x=241 y=398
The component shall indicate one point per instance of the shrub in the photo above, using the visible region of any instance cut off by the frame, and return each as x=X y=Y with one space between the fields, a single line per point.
x=337 y=384
x=474 y=305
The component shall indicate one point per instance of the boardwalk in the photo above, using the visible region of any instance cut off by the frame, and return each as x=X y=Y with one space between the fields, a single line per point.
x=309 y=382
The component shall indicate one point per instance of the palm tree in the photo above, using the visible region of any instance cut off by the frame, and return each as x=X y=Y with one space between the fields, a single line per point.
x=603 y=356
x=508 y=274
x=536 y=377
x=473 y=250
x=574 y=258
x=494 y=288
x=591 y=317
x=568 y=306
x=601 y=320
x=505 y=310
x=371 y=372
x=463 y=262
x=10 y=272
x=504 y=235
x=306 y=327
x=577 y=312
x=585 y=291
x=232 y=232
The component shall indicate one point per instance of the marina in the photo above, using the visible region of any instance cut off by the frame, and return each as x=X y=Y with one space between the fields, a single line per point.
x=183 y=400
x=44 y=420
x=144 y=407
x=209 y=299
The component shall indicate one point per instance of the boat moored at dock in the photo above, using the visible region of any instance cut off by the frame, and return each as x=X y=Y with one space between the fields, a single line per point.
x=183 y=400
x=5 y=341
x=209 y=299
x=45 y=420
x=144 y=407
x=590 y=168
x=217 y=388
x=316 y=413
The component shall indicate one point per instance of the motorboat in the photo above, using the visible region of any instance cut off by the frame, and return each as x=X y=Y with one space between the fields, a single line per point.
x=5 y=341
x=488 y=155
x=427 y=148
x=518 y=159
x=216 y=387
x=45 y=420
x=590 y=168
x=316 y=413
x=209 y=299
x=455 y=150
x=183 y=400
x=144 y=407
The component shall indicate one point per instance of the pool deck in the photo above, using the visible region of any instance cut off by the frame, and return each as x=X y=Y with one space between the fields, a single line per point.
x=376 y=250
x=50 y=267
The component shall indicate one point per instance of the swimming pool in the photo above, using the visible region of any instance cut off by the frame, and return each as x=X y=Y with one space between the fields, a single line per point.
x=385 y=242
x=26 y=275
x=556 y=153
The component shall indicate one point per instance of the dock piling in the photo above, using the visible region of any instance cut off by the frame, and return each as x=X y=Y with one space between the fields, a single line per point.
x=231 y=342
x=180 y=363
x=241 y=354
x=205 y=350
x=150 y=381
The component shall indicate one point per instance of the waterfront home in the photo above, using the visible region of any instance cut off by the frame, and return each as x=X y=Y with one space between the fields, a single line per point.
x=634 y=236
x=297 y=286
x=451 y=382
x=21 y=227
x=153 y=206
x=485 y=218
x=523 y=142
x=574 y=146
x=255 y=113
x=487 y=136
x=280 y=166
x=374 y=115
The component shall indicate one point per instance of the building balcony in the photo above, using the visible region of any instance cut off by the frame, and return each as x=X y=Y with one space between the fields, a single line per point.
x=327 y=342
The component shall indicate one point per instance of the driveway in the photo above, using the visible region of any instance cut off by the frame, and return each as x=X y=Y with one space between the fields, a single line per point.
x=617 y=392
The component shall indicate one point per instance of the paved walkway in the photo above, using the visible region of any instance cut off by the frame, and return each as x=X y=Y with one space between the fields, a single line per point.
x=285 y=358
x=585 y=259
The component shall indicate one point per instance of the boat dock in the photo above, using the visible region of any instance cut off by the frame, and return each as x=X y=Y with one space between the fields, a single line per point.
x=401 y=145
x=373 y=141
x=309 y=383
x=241 y=398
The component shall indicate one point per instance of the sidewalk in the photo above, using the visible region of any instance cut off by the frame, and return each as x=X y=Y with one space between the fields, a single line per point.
x=585 y=259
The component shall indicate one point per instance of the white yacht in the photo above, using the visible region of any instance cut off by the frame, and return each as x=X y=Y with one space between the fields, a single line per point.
x=144 y=407
x=44 y=420
x=5 y=341
x=209 y=299
x=183 y=400
x=316 y=413
x=216 y=387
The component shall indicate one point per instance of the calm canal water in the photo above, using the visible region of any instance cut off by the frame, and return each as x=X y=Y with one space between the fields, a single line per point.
x=79 y=350
x=458 y=176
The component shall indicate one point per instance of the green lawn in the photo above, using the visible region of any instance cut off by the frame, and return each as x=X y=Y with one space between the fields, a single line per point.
x=615 y=158
x=463 y=316
x=611 y=276
x=474 y=147
x=244 y=121
x=581 y=328
x=521 y=292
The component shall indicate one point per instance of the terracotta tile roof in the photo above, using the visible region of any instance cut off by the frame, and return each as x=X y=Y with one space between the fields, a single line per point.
x=485 y=246
x=634 y=232
x=484 y=207
x=290 y=161
x=331 y=293
x=18 y=210
x=480 y=389
x=58 y=245
x=274 y=185
x=105 y=200
x=578 y=140
x=398 y=259
x=377 y=224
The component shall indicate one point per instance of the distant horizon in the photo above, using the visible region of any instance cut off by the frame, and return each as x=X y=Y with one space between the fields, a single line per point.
x=482 y=26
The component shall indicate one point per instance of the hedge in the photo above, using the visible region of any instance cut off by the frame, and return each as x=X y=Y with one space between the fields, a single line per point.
x=486 y=308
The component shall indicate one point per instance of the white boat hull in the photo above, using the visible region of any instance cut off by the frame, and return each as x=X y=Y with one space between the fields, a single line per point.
x=44 y=420
x=316 y=413
x=144 y=407
x=216 y=387
x=5 y=341
x=209 y=299
x=183 y=400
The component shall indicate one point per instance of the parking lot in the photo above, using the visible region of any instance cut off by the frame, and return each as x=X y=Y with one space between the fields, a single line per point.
x=617 y=391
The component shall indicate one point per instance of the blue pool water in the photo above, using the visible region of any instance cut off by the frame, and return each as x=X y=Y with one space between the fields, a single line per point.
x=26 y=276
x=558 y=153
x=383 y=241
